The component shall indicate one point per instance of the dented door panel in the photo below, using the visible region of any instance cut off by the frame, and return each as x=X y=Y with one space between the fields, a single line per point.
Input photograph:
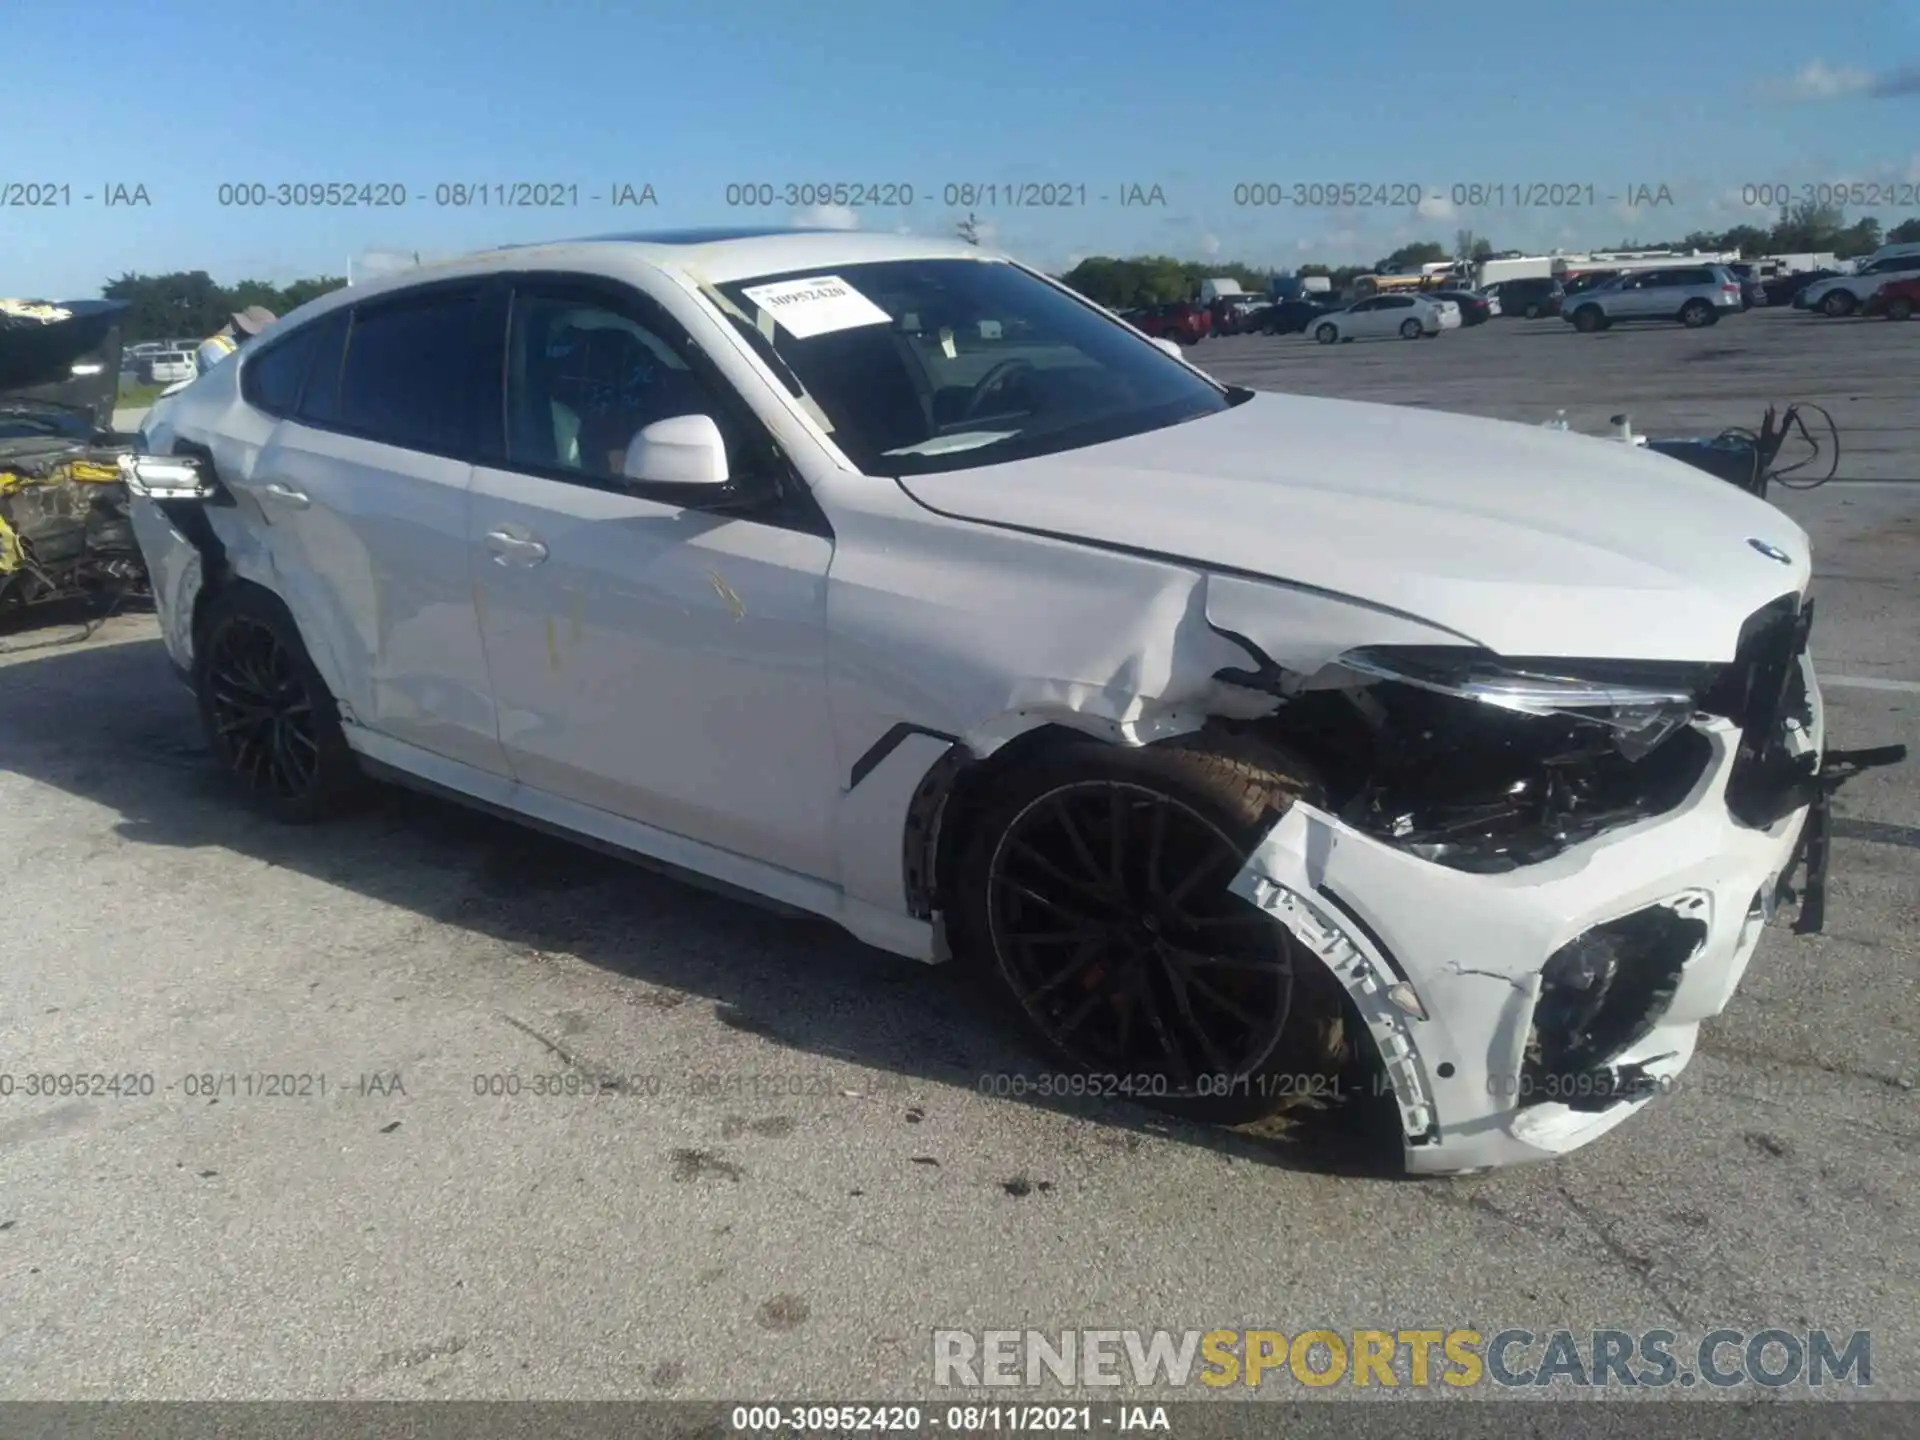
x=665 y=664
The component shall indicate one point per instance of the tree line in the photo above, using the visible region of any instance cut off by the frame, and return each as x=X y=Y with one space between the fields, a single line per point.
x=192 y=304
x=1161 y=279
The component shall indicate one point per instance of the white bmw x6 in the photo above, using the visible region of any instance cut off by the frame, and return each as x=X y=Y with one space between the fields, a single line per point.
x=1238 y=739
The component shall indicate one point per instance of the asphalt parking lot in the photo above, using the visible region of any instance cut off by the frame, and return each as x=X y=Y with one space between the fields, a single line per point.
x=804 y=1177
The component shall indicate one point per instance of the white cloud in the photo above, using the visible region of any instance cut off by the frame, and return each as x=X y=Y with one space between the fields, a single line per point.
x=828 y=217
x=1210 y=244
x=1913 y=168
x=1817 y=80
x=1437 y=207
x=1074 y=259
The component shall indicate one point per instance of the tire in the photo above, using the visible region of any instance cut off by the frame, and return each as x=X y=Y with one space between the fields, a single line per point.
x=1206 y=803
x=1411 y=329
x=270 y=721
x=1839 y=304
x=1533 y=311
x=1697 y=313
x=1900 y=308
x=1589 y=318
x=1326 y=333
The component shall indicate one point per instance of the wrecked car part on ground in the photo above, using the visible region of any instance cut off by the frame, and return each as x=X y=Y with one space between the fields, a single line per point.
x=1228 y=742
x=65 y=530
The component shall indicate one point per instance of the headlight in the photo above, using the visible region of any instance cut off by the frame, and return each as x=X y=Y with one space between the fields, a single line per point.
x=1641 y=704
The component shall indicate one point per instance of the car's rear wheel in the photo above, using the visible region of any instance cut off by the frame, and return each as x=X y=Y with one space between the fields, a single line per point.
x=1411 y=329
x=1839 y=304
x=1588 y=319
x=269 y=718
x=1696 y=313
x=1533 y=310
x=1094 y=897
x=1900 y=308
x=1327 y=334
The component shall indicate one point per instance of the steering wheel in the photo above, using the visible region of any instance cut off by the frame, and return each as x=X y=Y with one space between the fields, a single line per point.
x=996 y=378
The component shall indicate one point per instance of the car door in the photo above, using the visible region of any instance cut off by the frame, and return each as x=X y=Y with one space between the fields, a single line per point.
x=663 y=662
x=1362 y=319
x=364 y=484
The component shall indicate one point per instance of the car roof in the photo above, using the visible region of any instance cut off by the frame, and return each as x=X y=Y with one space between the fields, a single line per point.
x=714 y=256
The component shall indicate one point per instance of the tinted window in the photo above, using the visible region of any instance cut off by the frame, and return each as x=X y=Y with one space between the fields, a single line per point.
x=586 y=374
x=895 y=364
x=1398 y=302
x=320 y=401
x=1900 y=263
x=412 y=373
x=1697 y=277
x=271 y=380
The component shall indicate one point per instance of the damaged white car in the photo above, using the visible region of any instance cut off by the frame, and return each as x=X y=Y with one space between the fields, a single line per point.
x=1231 y=735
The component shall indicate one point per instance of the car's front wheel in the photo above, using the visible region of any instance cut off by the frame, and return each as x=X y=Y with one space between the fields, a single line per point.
x=1900 y=308
x=1094 y=896
x=270 y=720
x=1839 y=304
x=1327 y=334
x=1588 y=319
x=1533 y=310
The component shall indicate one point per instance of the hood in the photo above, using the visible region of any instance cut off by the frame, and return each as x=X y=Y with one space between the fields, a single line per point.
x=65 y=354
x=1528 y=541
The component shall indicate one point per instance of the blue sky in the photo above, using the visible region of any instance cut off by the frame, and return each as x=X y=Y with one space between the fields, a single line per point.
x=690 y=97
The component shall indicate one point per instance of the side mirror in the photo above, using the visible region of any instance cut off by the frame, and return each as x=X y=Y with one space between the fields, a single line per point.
x=683 y=450
x=1172 y=347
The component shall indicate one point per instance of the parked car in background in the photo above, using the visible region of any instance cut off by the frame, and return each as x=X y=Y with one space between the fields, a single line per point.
x=1782 y=289
x=1693 y=295
x=1181 y=321
x=1532 y=297
x=1227 y=314
x=1897 y=299
x=1253 y=316
x=1841 y=295
x=1295 y=316
x=1587 y=281
x=1379 y=316
x=1475 y=309
x=1752 y=291
x=168 y=367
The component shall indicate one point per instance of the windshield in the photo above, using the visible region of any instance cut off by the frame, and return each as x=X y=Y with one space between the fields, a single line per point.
x=917 y=366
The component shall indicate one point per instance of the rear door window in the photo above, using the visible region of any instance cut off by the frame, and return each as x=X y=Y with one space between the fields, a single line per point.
x=413 y=374
x=272 y=380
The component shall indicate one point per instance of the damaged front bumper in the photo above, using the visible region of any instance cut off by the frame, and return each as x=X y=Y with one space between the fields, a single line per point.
x=1470 y=983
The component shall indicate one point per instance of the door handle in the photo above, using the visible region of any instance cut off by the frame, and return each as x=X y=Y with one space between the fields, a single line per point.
x=281 y=495
x=508 y=549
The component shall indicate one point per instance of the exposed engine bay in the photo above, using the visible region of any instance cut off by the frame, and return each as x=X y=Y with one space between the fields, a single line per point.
x=65 y=531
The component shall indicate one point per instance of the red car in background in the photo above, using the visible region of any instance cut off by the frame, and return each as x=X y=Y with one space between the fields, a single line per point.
x=1188 y=324
x=1897 y=299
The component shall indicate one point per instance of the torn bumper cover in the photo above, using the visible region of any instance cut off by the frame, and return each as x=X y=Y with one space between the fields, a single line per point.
x=1522 y=1009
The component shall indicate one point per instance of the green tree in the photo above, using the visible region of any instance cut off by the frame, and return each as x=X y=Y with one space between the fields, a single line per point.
x=1907 y=232
x=1862 y=237
x=1420 y=252
x=1469 y=246
x=293 y=296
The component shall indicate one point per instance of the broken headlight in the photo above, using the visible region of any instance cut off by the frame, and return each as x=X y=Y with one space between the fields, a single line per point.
x=1639 y=705
x=1483 y=764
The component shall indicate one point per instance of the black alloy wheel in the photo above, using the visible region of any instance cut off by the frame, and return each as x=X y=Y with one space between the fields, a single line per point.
x=261 y=711
x=269 y=719
x=1112 y=926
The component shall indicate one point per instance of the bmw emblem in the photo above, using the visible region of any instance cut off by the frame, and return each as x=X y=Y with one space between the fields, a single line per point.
x=1772 y=552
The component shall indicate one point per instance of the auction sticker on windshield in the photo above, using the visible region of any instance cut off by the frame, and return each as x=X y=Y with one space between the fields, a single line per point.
x=816 y=306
